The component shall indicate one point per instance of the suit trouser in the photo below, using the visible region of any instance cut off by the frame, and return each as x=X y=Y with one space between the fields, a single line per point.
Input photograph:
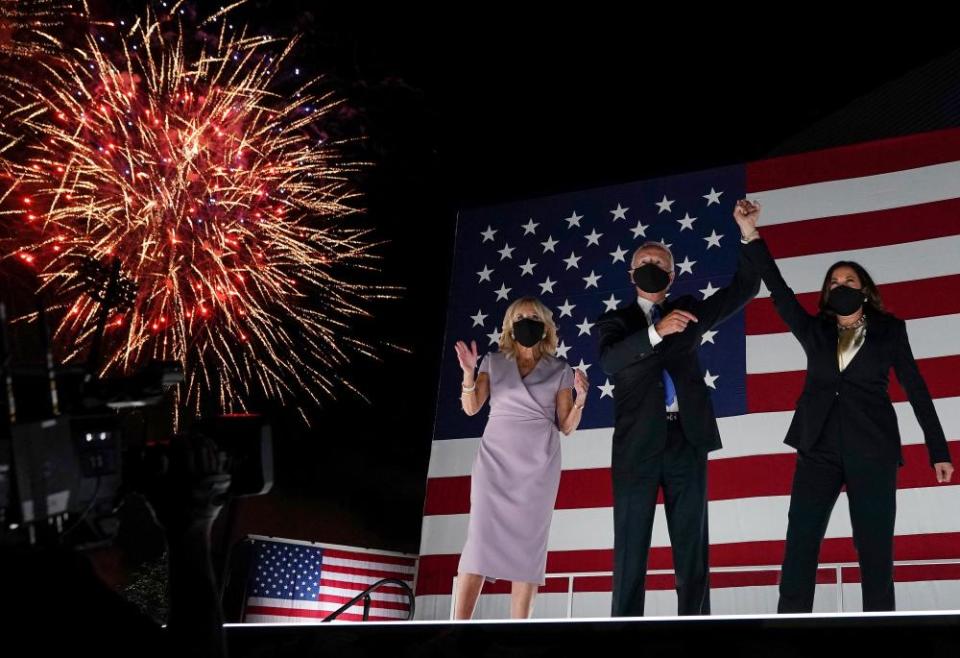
x=681 y=470
x=872 y=493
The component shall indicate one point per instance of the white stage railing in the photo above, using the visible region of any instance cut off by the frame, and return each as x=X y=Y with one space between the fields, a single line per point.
x=838 y=568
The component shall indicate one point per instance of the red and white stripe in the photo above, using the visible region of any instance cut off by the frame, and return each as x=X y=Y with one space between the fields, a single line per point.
x=892 y=205
x=345 y=572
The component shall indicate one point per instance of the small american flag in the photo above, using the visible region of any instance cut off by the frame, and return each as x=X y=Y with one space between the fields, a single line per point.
x=894 y=205
x=302 y=582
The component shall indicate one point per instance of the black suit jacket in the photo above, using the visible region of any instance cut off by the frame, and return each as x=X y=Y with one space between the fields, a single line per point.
x=640 y=425
x=868 y=418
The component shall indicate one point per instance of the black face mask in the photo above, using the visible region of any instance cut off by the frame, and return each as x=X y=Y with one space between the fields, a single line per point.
x=528 y=332
x=844 y=300
x=650 y=278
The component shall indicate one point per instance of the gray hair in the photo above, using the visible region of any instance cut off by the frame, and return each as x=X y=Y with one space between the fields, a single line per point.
x=653 y=244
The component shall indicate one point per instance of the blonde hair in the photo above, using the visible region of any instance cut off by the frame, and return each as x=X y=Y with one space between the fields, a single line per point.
x=547 y=345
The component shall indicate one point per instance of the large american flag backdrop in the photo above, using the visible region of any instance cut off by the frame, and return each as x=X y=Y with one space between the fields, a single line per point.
x=893 y=205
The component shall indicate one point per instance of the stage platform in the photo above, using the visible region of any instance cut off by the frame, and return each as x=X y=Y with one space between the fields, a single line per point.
x=906 y=634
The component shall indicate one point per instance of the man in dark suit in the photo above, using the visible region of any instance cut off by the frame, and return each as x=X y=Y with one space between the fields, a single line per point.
x=664 y=420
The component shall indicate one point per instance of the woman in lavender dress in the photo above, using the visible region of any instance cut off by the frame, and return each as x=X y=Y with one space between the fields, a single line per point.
x=517 y=469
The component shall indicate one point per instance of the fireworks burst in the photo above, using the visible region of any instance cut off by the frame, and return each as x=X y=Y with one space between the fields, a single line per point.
x=28 y=27
x=217 y=197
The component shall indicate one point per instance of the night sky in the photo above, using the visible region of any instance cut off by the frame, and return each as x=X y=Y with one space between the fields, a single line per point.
x=487 y=107
x=479 y=105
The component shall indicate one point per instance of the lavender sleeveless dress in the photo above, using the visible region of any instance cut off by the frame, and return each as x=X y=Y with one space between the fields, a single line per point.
x=516 y=472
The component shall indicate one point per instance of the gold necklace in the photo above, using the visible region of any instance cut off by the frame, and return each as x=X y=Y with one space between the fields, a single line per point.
x=858 y=323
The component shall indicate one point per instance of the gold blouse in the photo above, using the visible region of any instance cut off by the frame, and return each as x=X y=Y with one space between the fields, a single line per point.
x=849 y=343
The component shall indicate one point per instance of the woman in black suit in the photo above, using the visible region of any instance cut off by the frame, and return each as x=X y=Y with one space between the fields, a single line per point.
x=845 y=428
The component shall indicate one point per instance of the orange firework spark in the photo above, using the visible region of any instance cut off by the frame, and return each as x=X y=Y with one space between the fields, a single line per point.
x=218 y=200
x=31 y=30
x=28 y=27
